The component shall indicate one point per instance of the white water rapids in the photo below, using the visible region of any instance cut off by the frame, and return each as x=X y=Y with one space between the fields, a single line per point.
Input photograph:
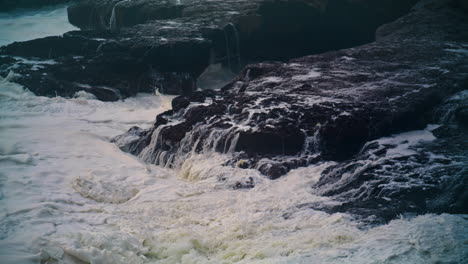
x=68 y=195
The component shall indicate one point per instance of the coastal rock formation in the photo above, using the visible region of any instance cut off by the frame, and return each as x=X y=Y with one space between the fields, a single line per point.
x=265 y=29
x=143 y=45
x=335 y=106
x=413 y=172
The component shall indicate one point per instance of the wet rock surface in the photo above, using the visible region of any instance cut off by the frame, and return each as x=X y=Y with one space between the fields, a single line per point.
x=343 y=106
x=265 y=29
x=142 y=45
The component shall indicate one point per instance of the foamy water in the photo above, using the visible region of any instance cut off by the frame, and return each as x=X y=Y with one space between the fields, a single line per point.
x=26 y=25
x=68 y=195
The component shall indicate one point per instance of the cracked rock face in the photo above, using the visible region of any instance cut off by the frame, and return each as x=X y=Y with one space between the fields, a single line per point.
x=343 y=106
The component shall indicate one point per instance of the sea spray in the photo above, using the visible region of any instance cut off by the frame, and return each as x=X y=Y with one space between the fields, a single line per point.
x=50 y=21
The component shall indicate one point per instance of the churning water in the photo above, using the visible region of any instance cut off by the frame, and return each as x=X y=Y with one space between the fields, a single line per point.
x=68 y=195
x=32 y=24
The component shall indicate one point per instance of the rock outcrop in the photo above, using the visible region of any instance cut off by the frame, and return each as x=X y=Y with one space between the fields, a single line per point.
x=413 y=172
x=266 y=29
x=140 y=45
x=278 y=116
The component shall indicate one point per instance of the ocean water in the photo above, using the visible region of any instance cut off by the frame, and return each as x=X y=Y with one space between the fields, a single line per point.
x=68 y=195
x=21 y=25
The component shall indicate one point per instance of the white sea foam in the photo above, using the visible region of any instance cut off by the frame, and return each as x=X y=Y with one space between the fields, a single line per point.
x=56 y=161
x=71 y=196
x=404 y=141
x=310 y=75
x=271 y=80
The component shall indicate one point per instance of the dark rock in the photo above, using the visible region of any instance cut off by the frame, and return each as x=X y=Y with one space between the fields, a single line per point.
x=132 y=136
x=106 y=94
x=462 y=115
x=52 y=47
x=7 y=60
x=5 y=64
x=273 y=170
x=281 y=141
x=180 y=102
x=108 y=77
x=249 y=184
x=101 y=59
x=175 y=83
x=281 y=116
x=98 y=14
x=254 y=29
x=404 y=174
x=144 y=45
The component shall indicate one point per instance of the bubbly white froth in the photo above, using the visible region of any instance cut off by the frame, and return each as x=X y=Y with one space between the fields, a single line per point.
x=68 y=194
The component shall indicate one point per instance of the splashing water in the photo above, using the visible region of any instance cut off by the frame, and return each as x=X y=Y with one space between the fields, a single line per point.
x=38 y=23
x=68 y=195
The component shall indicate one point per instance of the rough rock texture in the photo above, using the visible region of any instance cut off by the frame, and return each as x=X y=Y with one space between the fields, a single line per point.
x=253 y=29
x=142 y=45
x=407 y=173
x=278 y=116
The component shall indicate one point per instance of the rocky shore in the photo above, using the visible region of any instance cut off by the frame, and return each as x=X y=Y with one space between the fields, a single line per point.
x=340 y=106
x=128 y=47
x=344 y=102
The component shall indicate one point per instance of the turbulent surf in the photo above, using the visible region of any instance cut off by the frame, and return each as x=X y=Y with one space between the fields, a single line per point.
x=350 y=156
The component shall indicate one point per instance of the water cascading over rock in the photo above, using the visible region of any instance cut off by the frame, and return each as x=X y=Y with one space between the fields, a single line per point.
x=335 y=106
